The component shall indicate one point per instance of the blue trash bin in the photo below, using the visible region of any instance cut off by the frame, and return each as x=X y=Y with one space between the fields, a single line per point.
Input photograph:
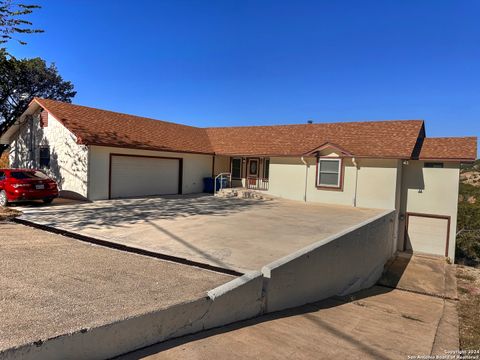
x=208 y=185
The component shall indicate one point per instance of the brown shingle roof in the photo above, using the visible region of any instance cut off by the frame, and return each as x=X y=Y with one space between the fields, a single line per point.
x=449 y=148
x=101 y=127
x=378 y=139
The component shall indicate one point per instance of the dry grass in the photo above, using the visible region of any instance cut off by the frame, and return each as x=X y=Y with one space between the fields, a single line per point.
x=8 y=213
x=469 y=307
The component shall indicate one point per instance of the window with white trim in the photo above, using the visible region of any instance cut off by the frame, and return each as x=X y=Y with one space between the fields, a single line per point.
x=329 y=172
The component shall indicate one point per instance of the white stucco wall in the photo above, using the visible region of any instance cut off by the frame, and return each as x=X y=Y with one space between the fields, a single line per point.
x=68 y=160
x=431 y=191
x=376 y=185
x=287 y=178
x=195 y=168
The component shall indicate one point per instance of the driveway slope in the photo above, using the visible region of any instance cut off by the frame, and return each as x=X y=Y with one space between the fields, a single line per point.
x=377 y=323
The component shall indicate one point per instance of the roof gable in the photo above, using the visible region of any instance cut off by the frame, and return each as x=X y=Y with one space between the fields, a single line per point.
x=101 y=127
x=329 y=146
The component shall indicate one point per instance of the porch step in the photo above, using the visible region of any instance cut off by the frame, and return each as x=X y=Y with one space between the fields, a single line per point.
x=242 y=193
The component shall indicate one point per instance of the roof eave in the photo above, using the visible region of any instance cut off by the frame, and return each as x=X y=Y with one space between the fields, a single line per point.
x=147 y=148
x=463 y=160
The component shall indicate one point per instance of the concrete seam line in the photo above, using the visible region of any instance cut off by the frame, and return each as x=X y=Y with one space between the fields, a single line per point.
x=444 y=297
x=126 y=248
x=266 y=270
x=438 y=327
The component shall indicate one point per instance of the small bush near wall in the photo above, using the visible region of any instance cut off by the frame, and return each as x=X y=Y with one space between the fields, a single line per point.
x=468 y=248
x=4 y=160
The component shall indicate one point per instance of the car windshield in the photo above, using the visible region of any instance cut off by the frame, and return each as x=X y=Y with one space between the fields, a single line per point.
x=20 y=175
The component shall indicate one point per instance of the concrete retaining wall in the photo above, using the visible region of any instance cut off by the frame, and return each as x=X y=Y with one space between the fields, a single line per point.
x=239 y=299
x=341 y=264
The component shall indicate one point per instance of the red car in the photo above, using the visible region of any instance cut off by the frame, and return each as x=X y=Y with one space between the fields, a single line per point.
x=25 y=185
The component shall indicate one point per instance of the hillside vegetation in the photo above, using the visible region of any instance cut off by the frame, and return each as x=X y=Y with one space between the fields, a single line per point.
x=468 y=223
x=470 y=174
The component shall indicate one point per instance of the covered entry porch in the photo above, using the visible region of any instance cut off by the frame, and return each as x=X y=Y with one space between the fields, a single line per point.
x=250 y=172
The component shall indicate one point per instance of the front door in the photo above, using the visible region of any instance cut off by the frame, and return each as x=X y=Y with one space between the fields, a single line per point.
x=252 y=170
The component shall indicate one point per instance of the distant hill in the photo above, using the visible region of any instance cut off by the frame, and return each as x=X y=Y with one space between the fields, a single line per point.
x=468 y=221
x=470 y=173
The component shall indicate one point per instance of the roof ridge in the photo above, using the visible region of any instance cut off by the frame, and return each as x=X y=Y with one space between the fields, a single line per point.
x=226 y=127
x=316 y=124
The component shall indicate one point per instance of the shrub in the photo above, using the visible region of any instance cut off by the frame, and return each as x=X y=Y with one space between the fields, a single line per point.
x=468 y=248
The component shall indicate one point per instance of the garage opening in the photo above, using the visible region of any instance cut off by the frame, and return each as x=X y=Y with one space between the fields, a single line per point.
x=135 y=176
x=427 y=233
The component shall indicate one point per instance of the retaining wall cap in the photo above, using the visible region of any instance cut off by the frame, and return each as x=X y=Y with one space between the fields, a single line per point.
x=233 y=284
x=267 y=269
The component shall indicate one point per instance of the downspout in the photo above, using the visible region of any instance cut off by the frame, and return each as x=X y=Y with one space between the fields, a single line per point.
x=354 y=161
x=306 y=178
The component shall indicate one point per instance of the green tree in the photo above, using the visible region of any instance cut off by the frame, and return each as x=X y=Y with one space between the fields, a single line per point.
x=23 y=79
x=12 y=21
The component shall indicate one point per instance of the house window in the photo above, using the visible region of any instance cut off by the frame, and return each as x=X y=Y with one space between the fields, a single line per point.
x=236 y=168
x=438 y=165
x=329 y=173
x=266 y=168
x=44 y=157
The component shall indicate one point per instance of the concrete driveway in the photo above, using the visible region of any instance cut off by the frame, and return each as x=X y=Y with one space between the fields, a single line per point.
x=425 y=274
x=51 y=285
x=231 y=233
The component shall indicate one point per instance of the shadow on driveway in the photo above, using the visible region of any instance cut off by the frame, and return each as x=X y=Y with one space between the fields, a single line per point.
x=115 y=213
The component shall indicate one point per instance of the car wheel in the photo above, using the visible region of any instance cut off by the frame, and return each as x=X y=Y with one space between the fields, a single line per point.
x=3 y=198
x=47 y=201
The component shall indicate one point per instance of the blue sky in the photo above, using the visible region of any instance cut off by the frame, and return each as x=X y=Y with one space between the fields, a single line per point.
x=219 y=63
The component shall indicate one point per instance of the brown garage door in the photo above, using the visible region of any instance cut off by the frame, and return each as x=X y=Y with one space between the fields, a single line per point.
x=427 y=233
